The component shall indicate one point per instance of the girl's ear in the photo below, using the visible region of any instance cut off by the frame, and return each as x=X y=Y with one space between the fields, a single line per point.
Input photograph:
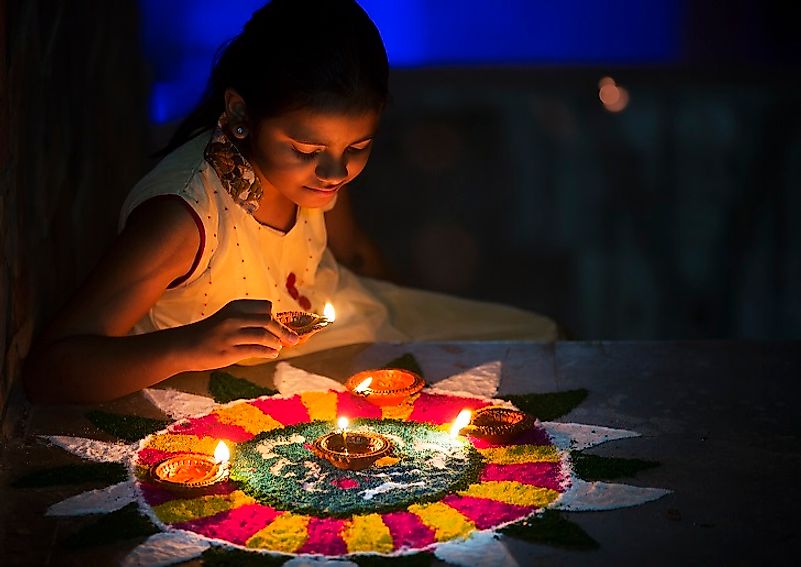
x=235 y=107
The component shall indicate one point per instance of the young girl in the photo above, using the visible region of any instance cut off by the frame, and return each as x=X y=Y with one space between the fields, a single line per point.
x=248 y=215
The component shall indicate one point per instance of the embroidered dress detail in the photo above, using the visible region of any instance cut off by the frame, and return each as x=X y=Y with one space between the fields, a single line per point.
x=235 y=172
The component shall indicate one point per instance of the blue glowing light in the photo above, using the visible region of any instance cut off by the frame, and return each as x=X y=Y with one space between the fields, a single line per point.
x=180 y=37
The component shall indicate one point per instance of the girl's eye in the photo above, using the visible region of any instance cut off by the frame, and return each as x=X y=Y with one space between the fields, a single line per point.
x=308 y=156
x=305 y=155
x=356 y=150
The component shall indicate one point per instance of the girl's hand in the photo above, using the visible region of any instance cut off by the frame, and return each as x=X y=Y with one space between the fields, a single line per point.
x=242 y=329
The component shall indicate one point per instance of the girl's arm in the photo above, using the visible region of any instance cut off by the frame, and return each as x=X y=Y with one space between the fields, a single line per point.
x=87 y=356
x=349 y=244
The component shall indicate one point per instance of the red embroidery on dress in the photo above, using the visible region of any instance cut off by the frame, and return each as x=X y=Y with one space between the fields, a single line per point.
x=302 y=300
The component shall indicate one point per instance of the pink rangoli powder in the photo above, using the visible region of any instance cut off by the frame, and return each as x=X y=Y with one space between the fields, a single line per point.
x=325 y=537
x=236 y=526
x=345 y=483
x=288 y=411
x=352 y=406
x=546 y=475
x=408 y=531
x=438 y=409
x=149 y=457
x=486 y=513
x=210 y=426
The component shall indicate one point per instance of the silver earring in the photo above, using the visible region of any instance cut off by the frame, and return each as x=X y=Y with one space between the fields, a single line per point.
x=240 y=132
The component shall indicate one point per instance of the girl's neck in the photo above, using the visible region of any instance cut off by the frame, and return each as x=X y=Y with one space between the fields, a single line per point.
x=275 y=215
x=275 y=210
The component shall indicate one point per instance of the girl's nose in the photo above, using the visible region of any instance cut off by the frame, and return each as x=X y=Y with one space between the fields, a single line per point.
x=331 y=170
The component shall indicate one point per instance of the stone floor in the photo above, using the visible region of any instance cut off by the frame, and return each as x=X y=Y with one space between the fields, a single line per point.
x=720 y=417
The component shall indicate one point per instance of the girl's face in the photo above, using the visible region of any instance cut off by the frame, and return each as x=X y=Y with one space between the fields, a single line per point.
x=304 y=157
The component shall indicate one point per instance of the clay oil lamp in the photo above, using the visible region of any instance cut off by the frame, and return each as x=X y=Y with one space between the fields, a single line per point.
x=187 y=471
x=351 y=450
x=498 y=424
x=304 y=324
x=386 y=386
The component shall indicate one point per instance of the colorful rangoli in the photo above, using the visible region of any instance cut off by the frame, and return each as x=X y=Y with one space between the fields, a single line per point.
x=435 y=493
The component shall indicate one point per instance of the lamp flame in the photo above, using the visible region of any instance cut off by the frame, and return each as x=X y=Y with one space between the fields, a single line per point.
x=363 y=386
x=342 y=423
x=329 y=312
x=461 y=421
x=222 y=454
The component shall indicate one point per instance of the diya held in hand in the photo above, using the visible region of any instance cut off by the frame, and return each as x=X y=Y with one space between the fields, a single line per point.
x=304 y=324
x=193 y=470
x=385 y=386
x=351 y=450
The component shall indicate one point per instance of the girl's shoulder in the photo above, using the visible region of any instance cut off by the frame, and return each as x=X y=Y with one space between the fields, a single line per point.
x=180 y=173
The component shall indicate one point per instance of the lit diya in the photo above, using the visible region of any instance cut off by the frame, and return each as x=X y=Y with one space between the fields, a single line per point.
x=386 y=386
x=193 y=470
x=497 y=424
x=462 y=420
x=304 y=324
x=355 y=450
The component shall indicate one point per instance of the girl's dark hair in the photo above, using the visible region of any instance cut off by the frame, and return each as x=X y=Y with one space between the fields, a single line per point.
x=292 y=54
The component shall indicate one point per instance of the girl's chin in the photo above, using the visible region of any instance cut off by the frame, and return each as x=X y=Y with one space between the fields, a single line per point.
x=313 y=198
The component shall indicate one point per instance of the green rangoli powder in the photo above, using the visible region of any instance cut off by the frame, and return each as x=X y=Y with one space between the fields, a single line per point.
x=225 y=388
x=552 y=405
x=596 y=467
x=277 y=468
x=127 y=427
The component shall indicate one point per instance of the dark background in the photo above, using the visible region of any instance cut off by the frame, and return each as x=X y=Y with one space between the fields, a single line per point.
x=500 y=175
x=675 y=218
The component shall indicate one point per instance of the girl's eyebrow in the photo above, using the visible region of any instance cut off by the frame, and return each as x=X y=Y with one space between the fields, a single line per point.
x=321 y=144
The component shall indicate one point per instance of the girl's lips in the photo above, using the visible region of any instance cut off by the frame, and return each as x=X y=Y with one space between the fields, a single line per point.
x=325 y=189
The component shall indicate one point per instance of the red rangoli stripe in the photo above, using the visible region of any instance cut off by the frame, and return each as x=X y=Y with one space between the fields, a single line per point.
x=408 y=531
x=534 y=436
x=439 y=409
x=236 y=526
x=288 y=411
x=210 y=426
x=149 y=457
x=351 y=406
x=545 y=475
x=325 y=537
x=486 y=513
x=155 y=494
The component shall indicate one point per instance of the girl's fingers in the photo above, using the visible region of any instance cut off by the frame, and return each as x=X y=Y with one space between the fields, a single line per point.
x=255 y=351
x=259 y=336
x=261 y=306
x=255 y=314
x=250 y=307
x=286 y=336
x=252 y=320
x=271 y=326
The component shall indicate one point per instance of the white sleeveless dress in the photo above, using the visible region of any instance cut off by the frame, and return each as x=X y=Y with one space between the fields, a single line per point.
x=243 y=259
